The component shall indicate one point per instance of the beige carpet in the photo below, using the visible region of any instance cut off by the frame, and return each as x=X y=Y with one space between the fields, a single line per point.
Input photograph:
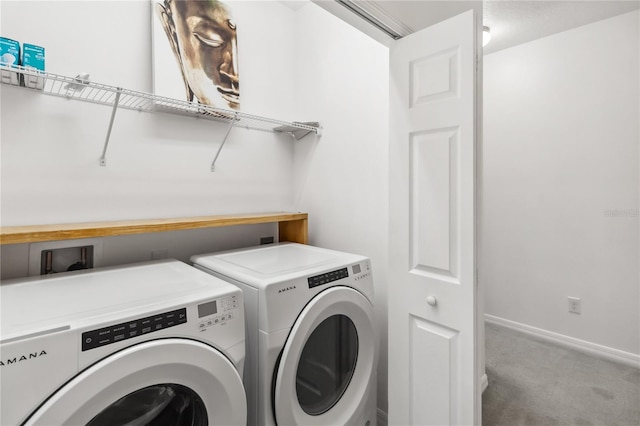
x=533 y=382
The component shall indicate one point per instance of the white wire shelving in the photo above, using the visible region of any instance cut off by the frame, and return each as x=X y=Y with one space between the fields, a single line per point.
x=80 y=88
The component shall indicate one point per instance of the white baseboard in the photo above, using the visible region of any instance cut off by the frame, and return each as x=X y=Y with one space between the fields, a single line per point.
x=383 y=420
x=484 y=383
x=606 y=352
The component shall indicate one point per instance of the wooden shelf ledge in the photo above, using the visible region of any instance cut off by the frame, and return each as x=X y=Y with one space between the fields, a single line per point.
x=291 y=227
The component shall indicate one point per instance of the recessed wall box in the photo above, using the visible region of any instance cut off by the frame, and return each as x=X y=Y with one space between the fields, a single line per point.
x=61 y=256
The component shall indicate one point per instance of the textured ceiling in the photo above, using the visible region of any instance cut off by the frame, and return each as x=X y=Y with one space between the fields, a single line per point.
x=516 y=22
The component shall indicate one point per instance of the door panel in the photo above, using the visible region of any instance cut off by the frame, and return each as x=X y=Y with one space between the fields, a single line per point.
x=432 y=309
x=434 y=77
x=433 y=230
x=440 y=346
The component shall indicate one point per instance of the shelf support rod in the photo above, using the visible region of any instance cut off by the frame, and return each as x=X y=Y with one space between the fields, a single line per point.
x=226 y=135
x=103 y=157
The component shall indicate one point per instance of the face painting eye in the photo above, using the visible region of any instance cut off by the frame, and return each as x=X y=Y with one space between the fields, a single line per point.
x=211 y=38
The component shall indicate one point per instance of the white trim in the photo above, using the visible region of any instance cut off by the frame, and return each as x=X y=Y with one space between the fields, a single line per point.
x=355 y=21
x=383 y=420
x=383 y=17
x=484 y=383
x=606 y=352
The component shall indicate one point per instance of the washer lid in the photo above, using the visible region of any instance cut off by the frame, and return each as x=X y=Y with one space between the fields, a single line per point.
x=274 y=263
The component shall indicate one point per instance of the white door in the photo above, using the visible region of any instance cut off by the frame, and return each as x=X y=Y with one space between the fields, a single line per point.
x=168 y=381
x=432 y=285
x=328 y=363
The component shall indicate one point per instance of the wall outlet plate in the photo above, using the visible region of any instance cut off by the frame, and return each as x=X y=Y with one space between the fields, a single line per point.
x=266 y=240
x=160 y=254
x=575 y=305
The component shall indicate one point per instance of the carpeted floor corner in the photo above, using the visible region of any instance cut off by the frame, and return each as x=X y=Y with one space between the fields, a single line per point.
x=536 y=383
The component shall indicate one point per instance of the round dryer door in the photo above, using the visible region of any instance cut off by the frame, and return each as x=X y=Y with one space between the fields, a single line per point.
x=175 y=382
x=327 y=368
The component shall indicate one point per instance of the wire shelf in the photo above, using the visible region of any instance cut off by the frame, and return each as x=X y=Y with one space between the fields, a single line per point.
x=80 y=88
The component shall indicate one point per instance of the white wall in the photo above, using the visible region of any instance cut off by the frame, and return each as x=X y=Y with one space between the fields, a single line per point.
x=561 y=136
x=158 y=165
x=341 y=180
x=296 y=63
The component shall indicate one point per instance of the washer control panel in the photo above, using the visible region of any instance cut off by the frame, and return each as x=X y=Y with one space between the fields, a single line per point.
x=217 y=312
x=115 y=333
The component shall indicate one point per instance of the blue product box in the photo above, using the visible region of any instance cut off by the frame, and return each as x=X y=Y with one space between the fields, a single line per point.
x=9 y=57
x=33 y=58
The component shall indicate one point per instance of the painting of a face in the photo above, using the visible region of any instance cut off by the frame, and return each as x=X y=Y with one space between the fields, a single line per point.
x=203 y=37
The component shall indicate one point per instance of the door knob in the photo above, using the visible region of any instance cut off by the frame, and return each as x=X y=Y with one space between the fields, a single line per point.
x=431 y=300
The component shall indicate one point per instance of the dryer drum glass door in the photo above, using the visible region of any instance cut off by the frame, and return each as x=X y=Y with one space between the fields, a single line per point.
x=328 y=362
x=158 y=405
x=169 y=381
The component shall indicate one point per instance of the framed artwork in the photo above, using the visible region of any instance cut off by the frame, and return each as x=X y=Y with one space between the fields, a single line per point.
x=195 y=52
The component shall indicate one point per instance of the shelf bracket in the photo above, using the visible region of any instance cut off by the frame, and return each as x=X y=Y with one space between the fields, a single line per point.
x=103 y=157
x=298 y=133
x=226 y=135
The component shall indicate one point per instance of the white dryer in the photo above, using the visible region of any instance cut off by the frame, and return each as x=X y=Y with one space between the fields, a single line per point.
x=158 y=343
x=312 y=344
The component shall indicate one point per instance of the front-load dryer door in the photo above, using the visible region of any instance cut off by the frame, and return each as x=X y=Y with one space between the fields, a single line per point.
x=326 y=372
x=175 y=382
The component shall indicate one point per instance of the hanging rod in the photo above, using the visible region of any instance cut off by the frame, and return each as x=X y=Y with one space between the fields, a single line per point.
x=378 y=17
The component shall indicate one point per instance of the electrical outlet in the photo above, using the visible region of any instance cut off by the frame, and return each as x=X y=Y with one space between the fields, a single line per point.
x=266 y=240
x=574 y=305
x=159 y=254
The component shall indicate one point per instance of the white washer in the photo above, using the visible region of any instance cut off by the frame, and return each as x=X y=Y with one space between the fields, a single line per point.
x=157 y=340
x=312 y=344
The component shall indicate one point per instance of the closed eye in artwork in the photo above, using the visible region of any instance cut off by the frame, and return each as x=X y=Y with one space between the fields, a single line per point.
x=212 y=39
